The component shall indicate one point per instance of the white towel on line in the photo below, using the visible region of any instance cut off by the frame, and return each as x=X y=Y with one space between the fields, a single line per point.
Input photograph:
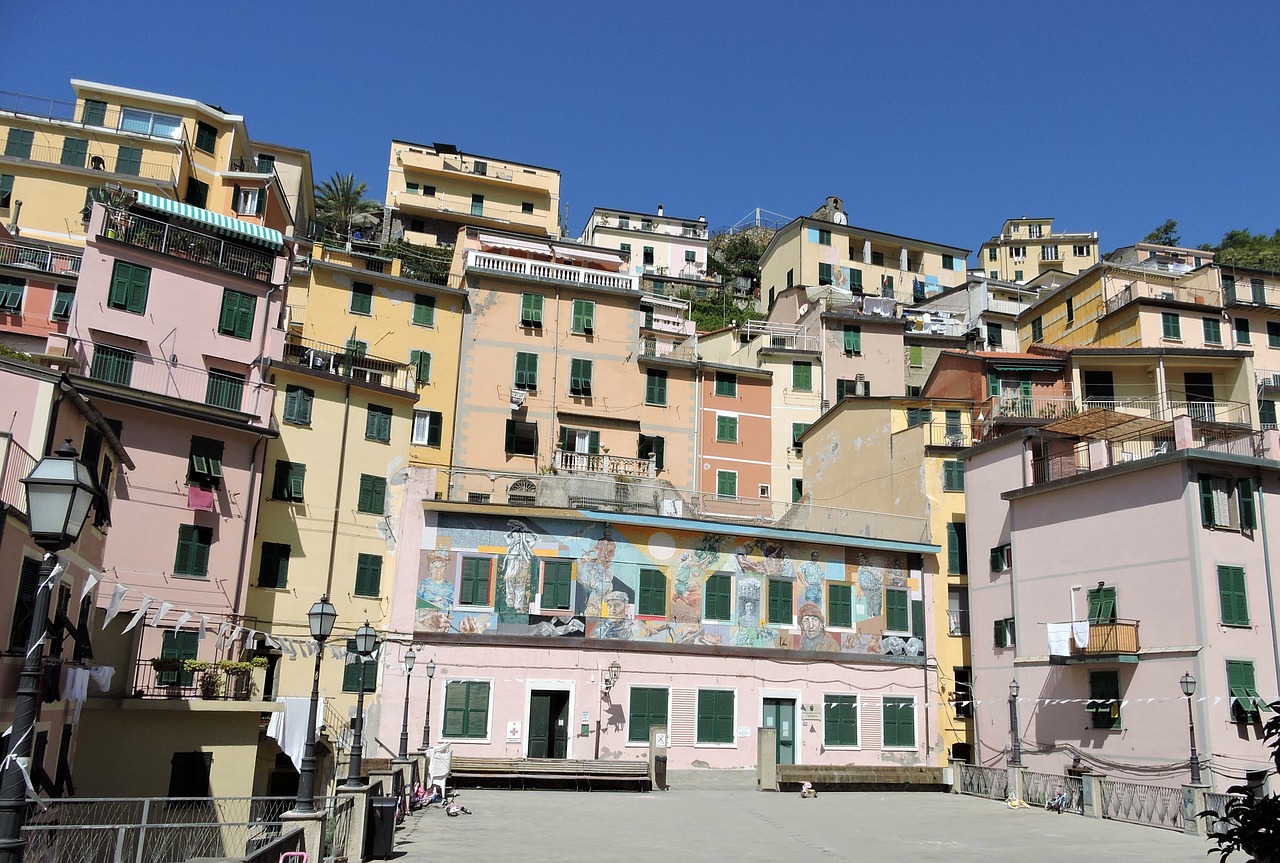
x=1059 y=639
x=289 y=727
x=1080 y=632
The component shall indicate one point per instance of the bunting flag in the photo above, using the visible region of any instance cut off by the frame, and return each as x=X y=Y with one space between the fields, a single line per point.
x=204 y=625
x=182 y=621
x=56 y=575
x=165 y=608
x=222 y=631
x=117 y=597
x=89 y=583
x=141 y=612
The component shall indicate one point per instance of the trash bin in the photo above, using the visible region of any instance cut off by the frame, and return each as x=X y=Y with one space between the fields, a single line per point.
x=381 y=831
x=660 y=772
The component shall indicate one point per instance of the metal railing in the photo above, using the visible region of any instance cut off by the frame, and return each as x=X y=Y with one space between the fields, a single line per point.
x=616 y=465
x=151 y=682
x=188 y=244
x=1040 y=788
x=942 y=433
x=1250 y=295
x=348 y=363
x=339 y=812
x=686 y=350
x=957 y=622
x=15 y=463
x=1180 y=293
x=783 y=336
x=44 y=260
x=107 y=162
x=1152 y=805
x=1108 y=639
x=1032 y=407
x=542 y=271
x=979 y=781
x=337 y=726
x=152 y=829
x=84 y=115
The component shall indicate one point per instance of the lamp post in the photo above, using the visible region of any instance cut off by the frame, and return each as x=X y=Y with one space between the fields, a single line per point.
x=366 y=643
x=426 y=723
x=60 y=490
x=1015 y=754
x=320 y=619
x=409 y=658
x=1189 y=689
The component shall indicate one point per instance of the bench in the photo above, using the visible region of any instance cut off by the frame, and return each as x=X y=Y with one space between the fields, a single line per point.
x=858 y=777
x=523 y=772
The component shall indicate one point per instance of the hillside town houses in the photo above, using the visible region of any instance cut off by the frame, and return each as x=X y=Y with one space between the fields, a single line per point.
x=929 y=481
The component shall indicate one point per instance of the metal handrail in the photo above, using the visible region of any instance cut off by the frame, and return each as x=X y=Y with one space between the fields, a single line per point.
x=57 y=263
x=188 y=244
x=108 y=163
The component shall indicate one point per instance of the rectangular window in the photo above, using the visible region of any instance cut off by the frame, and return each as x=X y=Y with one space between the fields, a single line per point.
x=206 y=135
x=557 y=585
x=898 y=716
x=113 y=365
x=181 y=646
x=427 y=428
x=526 y=208
x=726 y=384
x=580 y=378
x=361 y=299
x=715 y=716
x=948 y=262
x=655 y=387
x=726 y=483
x=424 y=310
x=373 y=494
x=584 y=317
x=652 y=599
x=19 y=143
x=953 y=475
x=11 y=292
x=962 y=701
x=1171 y=325
x=726 y=429
x=1049 y=253
x=477 y=205
x=94 y=113
x=1104 y=699
x=521 y=438
x=531 y=310
x=290 y=480
x=993 y=254
x=129 y=161
x=297 y=405
x=957 y=610
x=1273 y=334
x=825 y=274
x=129 y=286
x=1002 y=558
x=273 y=571
x=1212 y=331
x=852 y=339
x=421 y=363
x=1080 y=251
x=476 y=573
x=915 y=356
x=824 y=237
x=797 y=432
x=840 y=605
x=377 y=424
x=526 y=371
x=957 y=551
x=1257 y=291
x=359 y=674
x=646 y=256
x=197 y=194
x=797 y=490
x=1071 y=310
x=368 y=575
x=717 y=597
x=781 y=595
x=918 y=416
x=204 y=463
x=1003 y=633
x=1017 y=275
x=1243 y=336
x=840 y=720
x=74 y=152
x=224 y=390
x=897 y=610
x=653 y=445
x=236 y=319
x=6 y=191
x=1232 y=595
x=802 y=377
x=192 y=556
x=62 y=303
x=1227 y=503
x=24 y=603
x=1246 y=703
x=648 y=707
x=1037 y=329
x=995 y=335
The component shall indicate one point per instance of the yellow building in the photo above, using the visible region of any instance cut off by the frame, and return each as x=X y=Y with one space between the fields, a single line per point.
x=1026 y=247
x=437 y=189
x=905 y=463
x=57 y=153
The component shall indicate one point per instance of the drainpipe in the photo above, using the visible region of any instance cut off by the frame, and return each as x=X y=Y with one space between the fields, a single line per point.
x=250 y=524
x=555 y=383
x=337 y=494
x=1266 y=559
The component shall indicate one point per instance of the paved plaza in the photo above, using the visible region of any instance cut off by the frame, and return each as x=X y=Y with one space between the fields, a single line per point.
x=747 y=825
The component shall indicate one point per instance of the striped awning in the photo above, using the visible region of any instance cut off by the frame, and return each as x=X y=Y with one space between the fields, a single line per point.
x=216 y=222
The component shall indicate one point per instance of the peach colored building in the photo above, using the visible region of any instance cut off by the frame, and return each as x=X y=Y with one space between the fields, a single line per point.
x=37 y=290
x=735 y=441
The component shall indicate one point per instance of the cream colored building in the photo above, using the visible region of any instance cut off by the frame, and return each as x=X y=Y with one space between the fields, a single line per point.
x=655 y=243
x=1024 y=248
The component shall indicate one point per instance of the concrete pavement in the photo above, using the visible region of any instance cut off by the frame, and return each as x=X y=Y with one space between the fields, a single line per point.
x=748 y=826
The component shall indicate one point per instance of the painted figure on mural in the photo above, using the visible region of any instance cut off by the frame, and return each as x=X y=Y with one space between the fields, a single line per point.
x=595 y=572
x=811 y=576
x=871 y=585
x=813 y=630
x=435 y=590
x=616 y=623
x=749 y=590
x=516 y=567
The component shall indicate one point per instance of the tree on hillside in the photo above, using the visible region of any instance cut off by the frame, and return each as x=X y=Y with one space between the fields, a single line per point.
x=717 y=309
x=1245 y=249
x=340 y=203
x=1165 y=235
x=737 y=255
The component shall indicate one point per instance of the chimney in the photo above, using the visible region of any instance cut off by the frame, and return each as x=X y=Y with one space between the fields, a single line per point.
x=659 y=209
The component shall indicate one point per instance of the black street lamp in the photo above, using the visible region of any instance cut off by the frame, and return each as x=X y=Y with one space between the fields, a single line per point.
x=366 y=643
x=60 y=490
x=426 y=723
x=1189 y=689
x=320 y=619
x=409 y=658
x=1015 y=754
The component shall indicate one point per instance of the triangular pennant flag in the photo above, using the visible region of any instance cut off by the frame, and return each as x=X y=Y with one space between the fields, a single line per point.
x=269 y=641
x=289 y=648
x=222 y=631
x=204 y=625
x=141 y=612
x=56 y=575
x=89 y=583
x=234 y=636
x=181 y=621
x=165 y=608
x=117 y=597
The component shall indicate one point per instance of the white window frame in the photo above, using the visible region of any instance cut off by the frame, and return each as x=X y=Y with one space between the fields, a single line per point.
x=857 y=710
x=1080 y=251
x=421 y=440
x=644 y=744
x=246 y=203
x=737 y=426
x=900 y=632
x=488 y=732
x=1049 y=253
x=915 y=723
x=737 y=701
x=720 y=497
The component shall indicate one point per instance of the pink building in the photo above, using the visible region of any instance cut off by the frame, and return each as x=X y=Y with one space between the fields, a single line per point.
x=37 y=291
x=1120 y=553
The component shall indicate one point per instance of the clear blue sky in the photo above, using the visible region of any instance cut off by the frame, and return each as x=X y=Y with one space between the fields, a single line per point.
x=933 y=120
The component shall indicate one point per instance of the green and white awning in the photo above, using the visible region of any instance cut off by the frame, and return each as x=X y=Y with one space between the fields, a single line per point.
x=216 y=222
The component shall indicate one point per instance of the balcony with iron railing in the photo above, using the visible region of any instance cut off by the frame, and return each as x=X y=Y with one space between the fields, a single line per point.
x=543 y=271
x=108 y=163
x=87 y=115
x=15 y=464
x=174 y=679
x=1176 y=293
x=651 y=227
x=1109 y=639
x=54 y=262
x=948 y=434
x=1256 y=293
x=1012 y=405
x=784 y=337
x=652 y=347
x=957 y=622
x=1147 y=440
x=188 y=244
x=350 y=363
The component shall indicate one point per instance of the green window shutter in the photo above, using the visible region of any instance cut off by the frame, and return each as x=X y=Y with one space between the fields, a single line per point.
x=274 y=570
x=648 y=708
x=652 y=599
x=557 y=584
x=897 y=610
x=74 y=152
x=424 y=310
x=584 y=313
x=435 y=428
x=580 y=377
x=475 y=581
x=1000 y=633
x=377 y=426
x=368 y=575
x=129 y=161
x=1212 y=330
x=840 y=720
x=1102 y=605
x=237 y=314
x=373 y=494
x=802 y=377
x=477 y=709
x=797 y=432
x=361 y=298
x=953 y=475
x=192 y=556
x=726 y=483
x=899 y=721
x=915 y=356
x=1244 y=497
x=993 y=384
x=781 y=594
x=290 y=480
x=62 y=303
x=727 y=429
x=953 y=548
x=917 y=618
x=455 y=708
x=852 y=339
x=297 y=405
x=181 y=645
x=825 y=276
x=93 y=113
x=526 y=371
x=717 y=596
x=531 y=310
x=726 y=384
x=1171 y=324
x=1233 y=596
x=1206 y=501
x=855 y=279
x=655 y=390
x=715 y=716
x=421 y=362
x=840 y=605
x=129 y=284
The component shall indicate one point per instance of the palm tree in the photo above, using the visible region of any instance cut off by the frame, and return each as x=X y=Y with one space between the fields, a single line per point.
x=340 y=204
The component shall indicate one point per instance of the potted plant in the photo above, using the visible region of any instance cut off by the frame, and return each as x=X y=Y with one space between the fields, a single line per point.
x=166 y=664
x=209 y=682
x=240 y=675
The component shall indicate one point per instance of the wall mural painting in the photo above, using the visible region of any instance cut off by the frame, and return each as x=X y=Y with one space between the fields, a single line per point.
x=606 y=561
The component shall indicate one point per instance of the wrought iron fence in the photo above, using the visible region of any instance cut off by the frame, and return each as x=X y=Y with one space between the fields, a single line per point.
x=340 y=811
x=188 y=244
x=44 y=260
x=1152 y=805
x=15 y=463
x=990 y=782
x=1040 y=788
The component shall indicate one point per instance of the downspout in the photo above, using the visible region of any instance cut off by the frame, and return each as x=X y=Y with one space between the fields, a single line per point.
x=250 y=527
x=1266 y=562
x=337 y=494
x=555 y=382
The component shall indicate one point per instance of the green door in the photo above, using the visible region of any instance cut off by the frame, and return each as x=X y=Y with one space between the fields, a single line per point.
x=780 y=713
x=549 y=724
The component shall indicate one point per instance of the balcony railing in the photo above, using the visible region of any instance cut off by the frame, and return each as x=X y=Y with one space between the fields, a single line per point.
x=113 y=119
x=45 y=260
x=686 y=350
x=1250 y=295
x=780 y=336
x=1110 y=638
x=348 y=362
x=149 y=682
x=1032 y=407
x=523 y=268
x=15 y=463
x=1007 y=307
x=957 y=622
x=1179 y=293
x=108 y=162
x=189 y=245
x=603 y=463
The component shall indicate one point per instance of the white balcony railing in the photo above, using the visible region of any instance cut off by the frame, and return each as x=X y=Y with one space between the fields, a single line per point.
x=44 y=260
x=523 y=268
x=604 y=463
